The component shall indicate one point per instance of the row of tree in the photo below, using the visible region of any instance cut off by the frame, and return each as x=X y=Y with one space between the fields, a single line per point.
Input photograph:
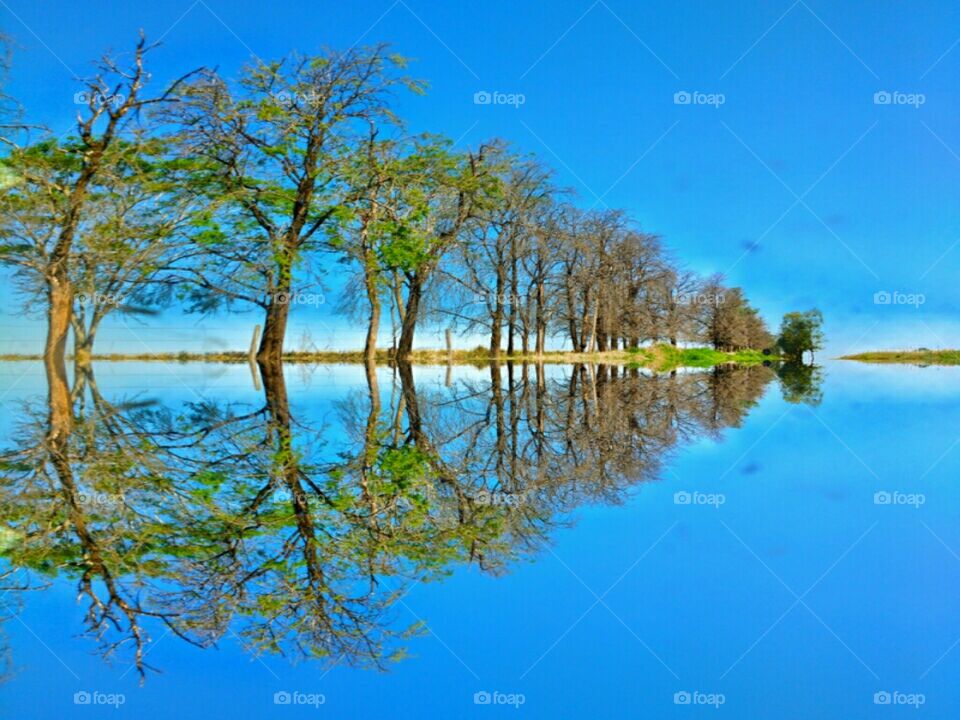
x=219 y=194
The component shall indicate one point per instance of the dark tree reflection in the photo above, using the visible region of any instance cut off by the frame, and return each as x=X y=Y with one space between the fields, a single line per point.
x=216 y=520
x=801 y=383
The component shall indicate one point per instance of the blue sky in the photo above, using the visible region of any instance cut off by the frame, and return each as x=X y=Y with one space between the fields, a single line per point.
x=799 y=186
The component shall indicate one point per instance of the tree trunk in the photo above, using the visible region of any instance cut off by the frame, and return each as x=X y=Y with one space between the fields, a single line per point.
x=593 y=329
x=83 y=349
x=409 y=326
x=514 y=288
x=59 y=313
x=84 y=335
x=370 y=443
x=584 y=322
x=601 y=332
x=495 y=335
x=59 y=402
x=541 y=321
x=496 y=317
x=278 y=307
x=373 y=325
x=274 y=329
x=571 y=315
x=398 y=295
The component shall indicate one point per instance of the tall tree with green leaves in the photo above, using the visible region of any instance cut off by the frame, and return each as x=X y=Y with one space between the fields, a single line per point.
x=271 y=153
x=393 y=181
x=47 y=203
x=445 y=192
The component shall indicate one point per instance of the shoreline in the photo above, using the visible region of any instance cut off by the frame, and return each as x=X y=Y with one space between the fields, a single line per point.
x=655 y=357
x=906 y=357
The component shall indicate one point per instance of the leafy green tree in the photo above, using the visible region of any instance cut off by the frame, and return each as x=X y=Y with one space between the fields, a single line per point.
x=801 y=332
x=272 y=153
x=52 y=186
x=127 y=232
x=445 y=193
x=398 y=185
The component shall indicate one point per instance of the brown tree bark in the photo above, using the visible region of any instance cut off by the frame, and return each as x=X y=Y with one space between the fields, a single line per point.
x=601 y=331
x=274 y=329
x=410 y=313
x=514 y=289
x=278 y=307
x=59 y=313
x=373 y=322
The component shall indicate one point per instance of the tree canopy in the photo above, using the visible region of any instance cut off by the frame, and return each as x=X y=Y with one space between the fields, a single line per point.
x=800 y=333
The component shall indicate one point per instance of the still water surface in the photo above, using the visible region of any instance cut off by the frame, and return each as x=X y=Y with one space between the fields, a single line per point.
x=475 y=542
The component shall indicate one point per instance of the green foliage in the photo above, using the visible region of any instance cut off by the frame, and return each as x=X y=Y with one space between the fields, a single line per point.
x=274 y=153
x=801 y=332
x=801 y=383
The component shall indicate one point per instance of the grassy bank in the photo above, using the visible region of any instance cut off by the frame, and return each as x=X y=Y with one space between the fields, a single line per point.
x=656 y=357
x=908 y=357
x=667 y=357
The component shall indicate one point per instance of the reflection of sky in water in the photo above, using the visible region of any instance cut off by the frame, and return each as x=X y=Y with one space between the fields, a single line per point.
x=692 y=597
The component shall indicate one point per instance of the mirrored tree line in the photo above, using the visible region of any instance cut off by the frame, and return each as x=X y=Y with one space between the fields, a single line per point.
x=215 y=193
x=210 y=519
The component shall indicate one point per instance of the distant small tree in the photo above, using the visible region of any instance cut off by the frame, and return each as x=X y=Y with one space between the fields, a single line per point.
x=801 y=332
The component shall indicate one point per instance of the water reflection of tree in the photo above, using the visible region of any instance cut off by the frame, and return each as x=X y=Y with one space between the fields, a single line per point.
x=801 y=383
x=214 y=519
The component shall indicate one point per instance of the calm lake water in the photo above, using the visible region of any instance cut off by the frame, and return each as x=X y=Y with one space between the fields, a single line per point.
x=580 y=542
